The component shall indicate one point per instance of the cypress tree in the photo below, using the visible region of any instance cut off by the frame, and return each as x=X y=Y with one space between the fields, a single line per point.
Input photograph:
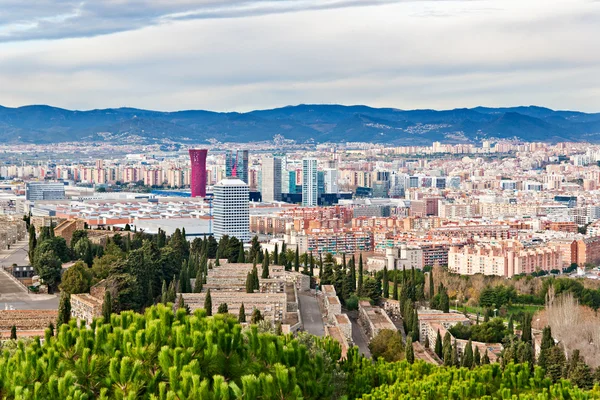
x=415 y=326
x=455 y=359
x=427 y=344
x=477 y=357
x=311 y=271
x=353 y=273
x=250 y=283
x=64 y=309
x=242 y=314
x=223 y=309
x=545 y=347
x=217 y=257
x=107 y=306
x=386 y=283
x=255 y=279
x=265 y=266
x=297 y=260
x=447 y=349
x=241 y=258
x=51 y=328
x=486 y=359
x=467 y=360
x=199 y=281
x=256 y=316
x=410 y=354
x=320 y=265
x=13 y=332
x=511 y=327
x=208 y=303
x=359 y=288
x=276 y=255
x=431 y=287
x=395 y=288
x=32 y=243
x=438 y=345
x=526 y=336
x=164 y=292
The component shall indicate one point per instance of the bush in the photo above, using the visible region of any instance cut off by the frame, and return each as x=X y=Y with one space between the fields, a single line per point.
x=352 y=303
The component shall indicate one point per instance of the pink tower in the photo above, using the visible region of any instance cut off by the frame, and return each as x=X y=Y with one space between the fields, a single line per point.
x=198 y=181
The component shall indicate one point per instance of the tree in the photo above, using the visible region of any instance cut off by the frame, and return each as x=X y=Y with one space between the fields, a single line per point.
x=198 y=282
x=13 y=332
x=249 y=283
x=223 y=309
x=486 y=359
x=581 y=376
x=77 y=279
x=447 y=350
x=359 y=288
x=255 y=250
x=48 y=266
x=526 y=336
x=410 y=355
x=276 y=255
x=242 y=314
x=265 y=266
x=372 y=289
x=297 y=260
x=107 y=306
x=511 y=327
x=438 y=345
x=455 y=358
x=64 y=309
x=477 y=357
x=208 y=303
x=387 y=344
x=467 y=360
x=32 y=243
x=431 y=287
x=395 y=288
x=256 y=316
x=386 y=284
x=545 y=347
x=241 y=258
x=445 y=301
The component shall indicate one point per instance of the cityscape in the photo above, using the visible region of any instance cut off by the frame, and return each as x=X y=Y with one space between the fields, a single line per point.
x=300 y=199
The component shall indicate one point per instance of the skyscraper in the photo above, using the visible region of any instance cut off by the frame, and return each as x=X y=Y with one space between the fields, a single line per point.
x=231 y=209
x=271 y=179
x=236 y=164
x=309 y=182
x=331 y=180
x=198 y=179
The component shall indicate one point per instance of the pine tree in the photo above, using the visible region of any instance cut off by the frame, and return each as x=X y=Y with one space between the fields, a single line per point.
x=265 y=266
x=223 y=309
x=242 y=314
x=64 y=309
x=438 y=345
x=208 y=303
x=477 y=357
x=386 y=283
x=107 y=306
x=486 y=359
x=13 y=332
x=297 y=260
x=431 y=287
x=359 y=288
x=467 y=360
x=410 y=355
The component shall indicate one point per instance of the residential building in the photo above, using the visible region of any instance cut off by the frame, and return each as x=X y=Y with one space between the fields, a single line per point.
x=231 y=209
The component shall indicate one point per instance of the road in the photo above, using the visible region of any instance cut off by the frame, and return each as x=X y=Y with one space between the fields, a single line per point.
x=360 y=339
x=14 y=295
x=311 y=314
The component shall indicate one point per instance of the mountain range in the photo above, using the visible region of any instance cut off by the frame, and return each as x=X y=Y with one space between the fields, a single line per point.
x=318 y=123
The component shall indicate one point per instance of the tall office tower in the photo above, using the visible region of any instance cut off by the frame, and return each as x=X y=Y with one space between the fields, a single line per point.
x=309 y=182
x=331 y=180
x=45 y=191
x=198 y=166
x=271 y=179
x=231 y=209
x=236 y=164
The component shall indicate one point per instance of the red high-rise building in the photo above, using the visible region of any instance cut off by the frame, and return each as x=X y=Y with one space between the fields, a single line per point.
x=198 y=180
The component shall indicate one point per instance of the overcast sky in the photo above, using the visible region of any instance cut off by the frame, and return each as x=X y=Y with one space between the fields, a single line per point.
x=239 y=55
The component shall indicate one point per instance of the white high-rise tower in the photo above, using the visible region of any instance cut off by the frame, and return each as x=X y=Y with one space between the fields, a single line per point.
x=231 y=209
x=309 y=182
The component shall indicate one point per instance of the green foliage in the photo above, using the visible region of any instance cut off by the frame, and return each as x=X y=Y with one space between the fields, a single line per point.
x=387 y=345
x=64 y=309
x=13 y=332
x=77 y=279
x=493 y=331
x=107 y=306
x=48 y=266
x=242 y=314
x=208 y=303
x=410 y=352
x=223 y=309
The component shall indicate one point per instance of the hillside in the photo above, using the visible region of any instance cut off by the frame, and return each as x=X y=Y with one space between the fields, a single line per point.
x=303 y=123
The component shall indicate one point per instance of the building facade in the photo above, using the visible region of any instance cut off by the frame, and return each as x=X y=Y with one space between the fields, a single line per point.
x=45 y=191
x=231 y=209
x=310 y=192
x=271 y=179
x=198 y=166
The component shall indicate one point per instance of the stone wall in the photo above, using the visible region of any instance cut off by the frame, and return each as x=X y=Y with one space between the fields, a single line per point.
x=85 y=307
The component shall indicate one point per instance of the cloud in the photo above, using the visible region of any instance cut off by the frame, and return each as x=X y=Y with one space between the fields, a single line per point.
x=404 y=54
x=48 y=19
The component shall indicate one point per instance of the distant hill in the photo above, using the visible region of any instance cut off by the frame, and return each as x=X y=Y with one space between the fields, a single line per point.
x=303 y=123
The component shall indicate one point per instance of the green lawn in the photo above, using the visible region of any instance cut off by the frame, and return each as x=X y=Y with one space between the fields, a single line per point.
x=513 y=309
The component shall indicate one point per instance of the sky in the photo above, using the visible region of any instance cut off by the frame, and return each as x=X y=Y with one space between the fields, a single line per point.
x=241 y=55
